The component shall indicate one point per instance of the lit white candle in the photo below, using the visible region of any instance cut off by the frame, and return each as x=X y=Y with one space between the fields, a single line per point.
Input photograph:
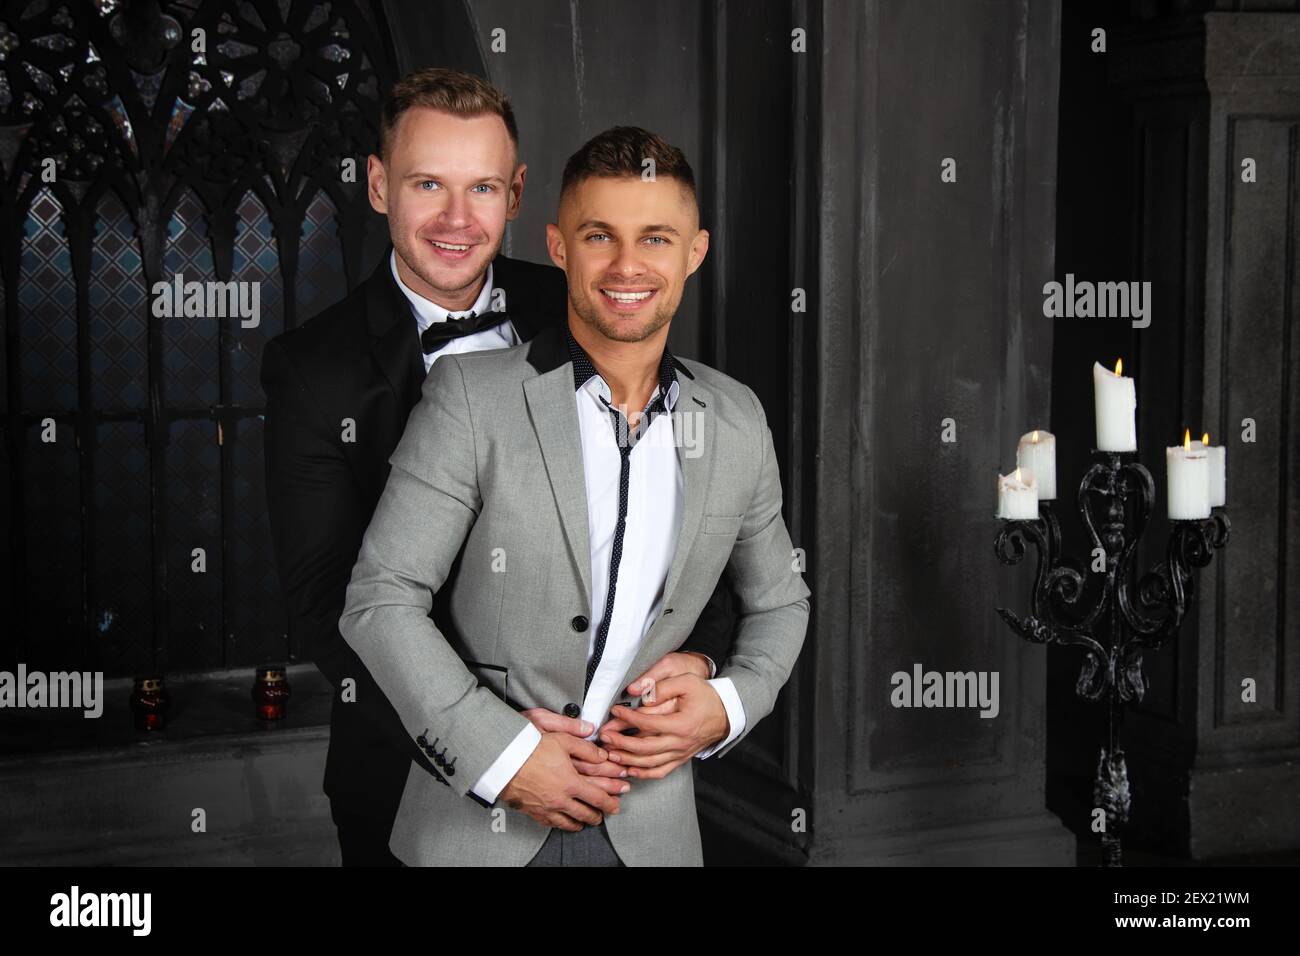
x=1115 y=402
x=1017 y=495
x=1218 y=456
x=1187 y=472
x=1037 y=454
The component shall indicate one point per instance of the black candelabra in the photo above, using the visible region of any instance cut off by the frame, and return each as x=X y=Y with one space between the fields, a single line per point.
x=1113 y=619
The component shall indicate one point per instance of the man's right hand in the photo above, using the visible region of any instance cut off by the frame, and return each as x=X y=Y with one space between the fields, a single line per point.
x=551 y=790
x=607 y=775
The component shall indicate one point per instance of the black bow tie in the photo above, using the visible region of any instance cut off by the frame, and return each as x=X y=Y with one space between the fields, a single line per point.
x=439 y=334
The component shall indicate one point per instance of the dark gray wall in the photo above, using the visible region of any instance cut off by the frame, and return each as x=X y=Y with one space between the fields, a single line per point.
x=1152 y=137
x=928 y=307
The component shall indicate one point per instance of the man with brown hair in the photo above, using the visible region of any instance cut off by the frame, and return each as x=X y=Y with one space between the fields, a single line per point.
x=340 y=388
x=619 y=482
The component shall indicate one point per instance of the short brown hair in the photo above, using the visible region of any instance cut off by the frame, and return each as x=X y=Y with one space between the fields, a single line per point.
x=622 y=151
x=451 y=91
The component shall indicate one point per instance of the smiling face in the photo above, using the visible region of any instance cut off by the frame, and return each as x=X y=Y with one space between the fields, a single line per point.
x=448 y=185
x=627 y=246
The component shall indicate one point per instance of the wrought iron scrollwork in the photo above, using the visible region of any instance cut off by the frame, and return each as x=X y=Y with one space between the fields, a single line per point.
x=1114 y=620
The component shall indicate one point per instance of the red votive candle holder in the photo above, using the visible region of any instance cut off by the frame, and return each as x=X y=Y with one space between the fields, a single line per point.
x=270 y=692
x=149 y=704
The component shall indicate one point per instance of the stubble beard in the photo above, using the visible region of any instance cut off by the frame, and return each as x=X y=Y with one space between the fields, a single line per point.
x=591 y=316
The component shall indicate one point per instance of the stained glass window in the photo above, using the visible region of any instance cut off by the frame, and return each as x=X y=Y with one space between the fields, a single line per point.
x=320 y=259
x=47 y=298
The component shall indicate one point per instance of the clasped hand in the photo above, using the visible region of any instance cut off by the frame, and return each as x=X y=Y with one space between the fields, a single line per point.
x=570 y=781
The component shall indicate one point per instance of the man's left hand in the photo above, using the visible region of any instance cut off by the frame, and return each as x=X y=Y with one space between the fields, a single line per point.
x=670 y=665
x=665 y=741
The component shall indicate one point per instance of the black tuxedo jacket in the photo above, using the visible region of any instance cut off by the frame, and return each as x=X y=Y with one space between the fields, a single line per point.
x=360 y=360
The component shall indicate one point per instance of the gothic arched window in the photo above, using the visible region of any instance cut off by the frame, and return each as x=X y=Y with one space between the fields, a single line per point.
x=139 y=141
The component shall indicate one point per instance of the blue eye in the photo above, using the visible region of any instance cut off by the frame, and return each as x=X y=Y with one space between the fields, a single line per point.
x=658 y=240
x=427 y=182
x=485 y=186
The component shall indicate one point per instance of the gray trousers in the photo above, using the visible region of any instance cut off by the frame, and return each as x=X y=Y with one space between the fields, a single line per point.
x=590 y=846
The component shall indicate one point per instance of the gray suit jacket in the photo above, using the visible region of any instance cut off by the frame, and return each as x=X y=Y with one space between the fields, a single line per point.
x=465 y=487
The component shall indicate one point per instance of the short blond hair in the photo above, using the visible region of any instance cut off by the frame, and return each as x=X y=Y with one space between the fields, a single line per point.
x=451 y=91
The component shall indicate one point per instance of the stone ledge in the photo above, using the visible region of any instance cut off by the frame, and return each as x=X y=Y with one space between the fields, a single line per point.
x=110 y=796
x=210 y=704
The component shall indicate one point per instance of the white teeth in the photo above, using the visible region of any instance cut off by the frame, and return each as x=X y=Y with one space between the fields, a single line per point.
x=627 y=296
x=449 y=245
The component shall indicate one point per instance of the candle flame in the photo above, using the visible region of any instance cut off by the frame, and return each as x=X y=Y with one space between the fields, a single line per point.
x=1205 y=439
x=1119 y=366
x=1034 y=439
x=1187 y=440
x=1017 y=476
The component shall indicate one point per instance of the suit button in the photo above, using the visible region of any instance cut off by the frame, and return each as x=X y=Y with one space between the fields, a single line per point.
x=572 y=710
x=579 y=623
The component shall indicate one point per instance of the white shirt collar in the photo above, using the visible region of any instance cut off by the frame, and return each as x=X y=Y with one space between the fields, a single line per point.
x=427 y=312
x=598 y=389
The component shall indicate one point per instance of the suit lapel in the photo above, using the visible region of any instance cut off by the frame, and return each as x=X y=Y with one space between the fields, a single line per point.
x=554 y=414
x=395 y=335
x=694 y=421
x=520 y=298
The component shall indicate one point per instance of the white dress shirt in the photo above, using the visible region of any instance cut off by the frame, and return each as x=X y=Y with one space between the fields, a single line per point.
x=646 y=545
x=426 y=313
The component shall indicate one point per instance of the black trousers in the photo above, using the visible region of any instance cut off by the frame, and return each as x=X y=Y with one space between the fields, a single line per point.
x=363 y=838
